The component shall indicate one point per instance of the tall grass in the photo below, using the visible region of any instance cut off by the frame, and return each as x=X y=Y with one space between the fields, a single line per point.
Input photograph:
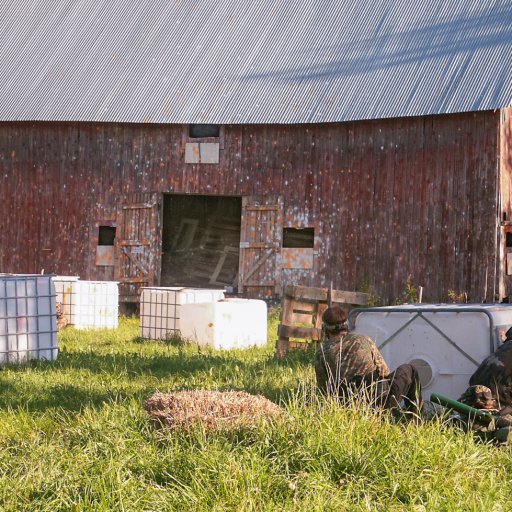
x=74 y=436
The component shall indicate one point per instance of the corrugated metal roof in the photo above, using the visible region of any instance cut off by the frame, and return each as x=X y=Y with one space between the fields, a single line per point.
x=252 y=61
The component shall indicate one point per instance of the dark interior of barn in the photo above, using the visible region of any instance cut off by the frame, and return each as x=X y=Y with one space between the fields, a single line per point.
x=201 y=239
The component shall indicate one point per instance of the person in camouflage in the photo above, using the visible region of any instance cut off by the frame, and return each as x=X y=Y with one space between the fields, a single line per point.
x=479 y=397
x=495 y=372
x=345 y=361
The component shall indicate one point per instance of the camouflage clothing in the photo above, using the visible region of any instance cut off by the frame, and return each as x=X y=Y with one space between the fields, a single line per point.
x=499 y=429
x=404 y=386
x=495 y=372
x=479 y=397
x=346 y=358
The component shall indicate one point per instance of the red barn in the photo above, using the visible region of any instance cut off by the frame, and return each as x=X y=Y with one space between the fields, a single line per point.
x=249 y=145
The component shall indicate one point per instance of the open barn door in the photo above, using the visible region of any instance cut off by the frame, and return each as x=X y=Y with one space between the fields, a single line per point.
x=260 y=246
x=200 y=241
x=139 y=244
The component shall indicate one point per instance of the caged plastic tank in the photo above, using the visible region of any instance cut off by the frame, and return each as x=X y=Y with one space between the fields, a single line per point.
x=446 y=342
x=95 y=305
x=225 y=324
x=65 y=289
x=160 y=308
x=28 y=318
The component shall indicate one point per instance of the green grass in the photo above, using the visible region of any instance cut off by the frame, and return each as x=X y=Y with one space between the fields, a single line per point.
x=74 y=436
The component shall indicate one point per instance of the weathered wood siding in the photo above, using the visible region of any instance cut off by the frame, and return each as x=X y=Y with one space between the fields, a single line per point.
x=505 y=246
x=388 y=199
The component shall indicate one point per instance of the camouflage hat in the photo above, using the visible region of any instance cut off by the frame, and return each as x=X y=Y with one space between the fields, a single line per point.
x=479 y=397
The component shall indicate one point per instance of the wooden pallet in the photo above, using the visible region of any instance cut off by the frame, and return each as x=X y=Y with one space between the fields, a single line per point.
x=301 y=315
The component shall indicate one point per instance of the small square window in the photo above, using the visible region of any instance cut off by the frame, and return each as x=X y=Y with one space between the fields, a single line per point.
x=106 y=235
x=299 y=238
x=201 y=131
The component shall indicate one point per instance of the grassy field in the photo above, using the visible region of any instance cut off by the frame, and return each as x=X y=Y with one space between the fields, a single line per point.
x=74 y=436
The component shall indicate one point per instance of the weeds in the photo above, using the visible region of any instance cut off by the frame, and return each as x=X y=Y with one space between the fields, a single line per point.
x=457 y=298
x=374 y=299
x=74 y=436
x=410 y=295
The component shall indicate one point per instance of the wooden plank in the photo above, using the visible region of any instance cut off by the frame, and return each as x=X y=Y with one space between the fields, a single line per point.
x=263 y=208
x=133 y=279
x=310 y=333
x=300 y=345
x=220 y=264
x=136 y=263
x=278 y=239
x=286 y=311
x=262 y=284
x=257 y=266
x=320 y=294
x=138 y=206
x=302 y=318
x=133 y=243
x=301 y=306
x=259 y=245
x=346 y=297
x=243 y=237
x=318 y=320
x=306 y=293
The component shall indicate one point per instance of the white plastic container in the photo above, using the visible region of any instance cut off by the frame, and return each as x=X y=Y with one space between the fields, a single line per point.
x=96 y=305
x=66 y=294
x=226 y=324
x=160 y=308
x=28 y=319
x=446 y=342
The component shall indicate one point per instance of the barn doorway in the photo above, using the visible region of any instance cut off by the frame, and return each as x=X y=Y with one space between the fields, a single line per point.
x=201 y=241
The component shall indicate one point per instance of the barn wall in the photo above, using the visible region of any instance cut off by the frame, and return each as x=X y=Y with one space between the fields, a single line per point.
x=506 y=164
x=505 y=245
x=388 y=199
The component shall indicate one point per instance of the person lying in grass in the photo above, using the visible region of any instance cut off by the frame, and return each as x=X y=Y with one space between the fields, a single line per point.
x=495 y=373
x=490 y=387
x=349 y=362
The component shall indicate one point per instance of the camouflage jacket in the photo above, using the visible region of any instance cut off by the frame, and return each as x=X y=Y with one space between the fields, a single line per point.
x=345 y=358
x=495 y=372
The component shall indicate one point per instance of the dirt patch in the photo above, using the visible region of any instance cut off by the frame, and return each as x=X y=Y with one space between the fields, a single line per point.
x=214 y=409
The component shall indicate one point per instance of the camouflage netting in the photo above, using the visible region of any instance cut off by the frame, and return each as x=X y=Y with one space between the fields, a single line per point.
x=213 y=409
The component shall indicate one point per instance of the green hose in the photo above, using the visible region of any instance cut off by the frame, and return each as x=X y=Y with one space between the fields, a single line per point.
x=460 y=407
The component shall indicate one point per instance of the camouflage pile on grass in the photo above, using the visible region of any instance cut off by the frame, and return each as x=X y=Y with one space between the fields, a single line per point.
x=215 y=410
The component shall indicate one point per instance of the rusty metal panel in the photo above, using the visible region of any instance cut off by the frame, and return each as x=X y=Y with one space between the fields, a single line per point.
x=297 y=258
x=202 y=153
x=209 y=152
x=105 y=255
x=192 y=153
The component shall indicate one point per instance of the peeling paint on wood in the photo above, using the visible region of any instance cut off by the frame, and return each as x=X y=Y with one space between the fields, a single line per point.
x=388 y=199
